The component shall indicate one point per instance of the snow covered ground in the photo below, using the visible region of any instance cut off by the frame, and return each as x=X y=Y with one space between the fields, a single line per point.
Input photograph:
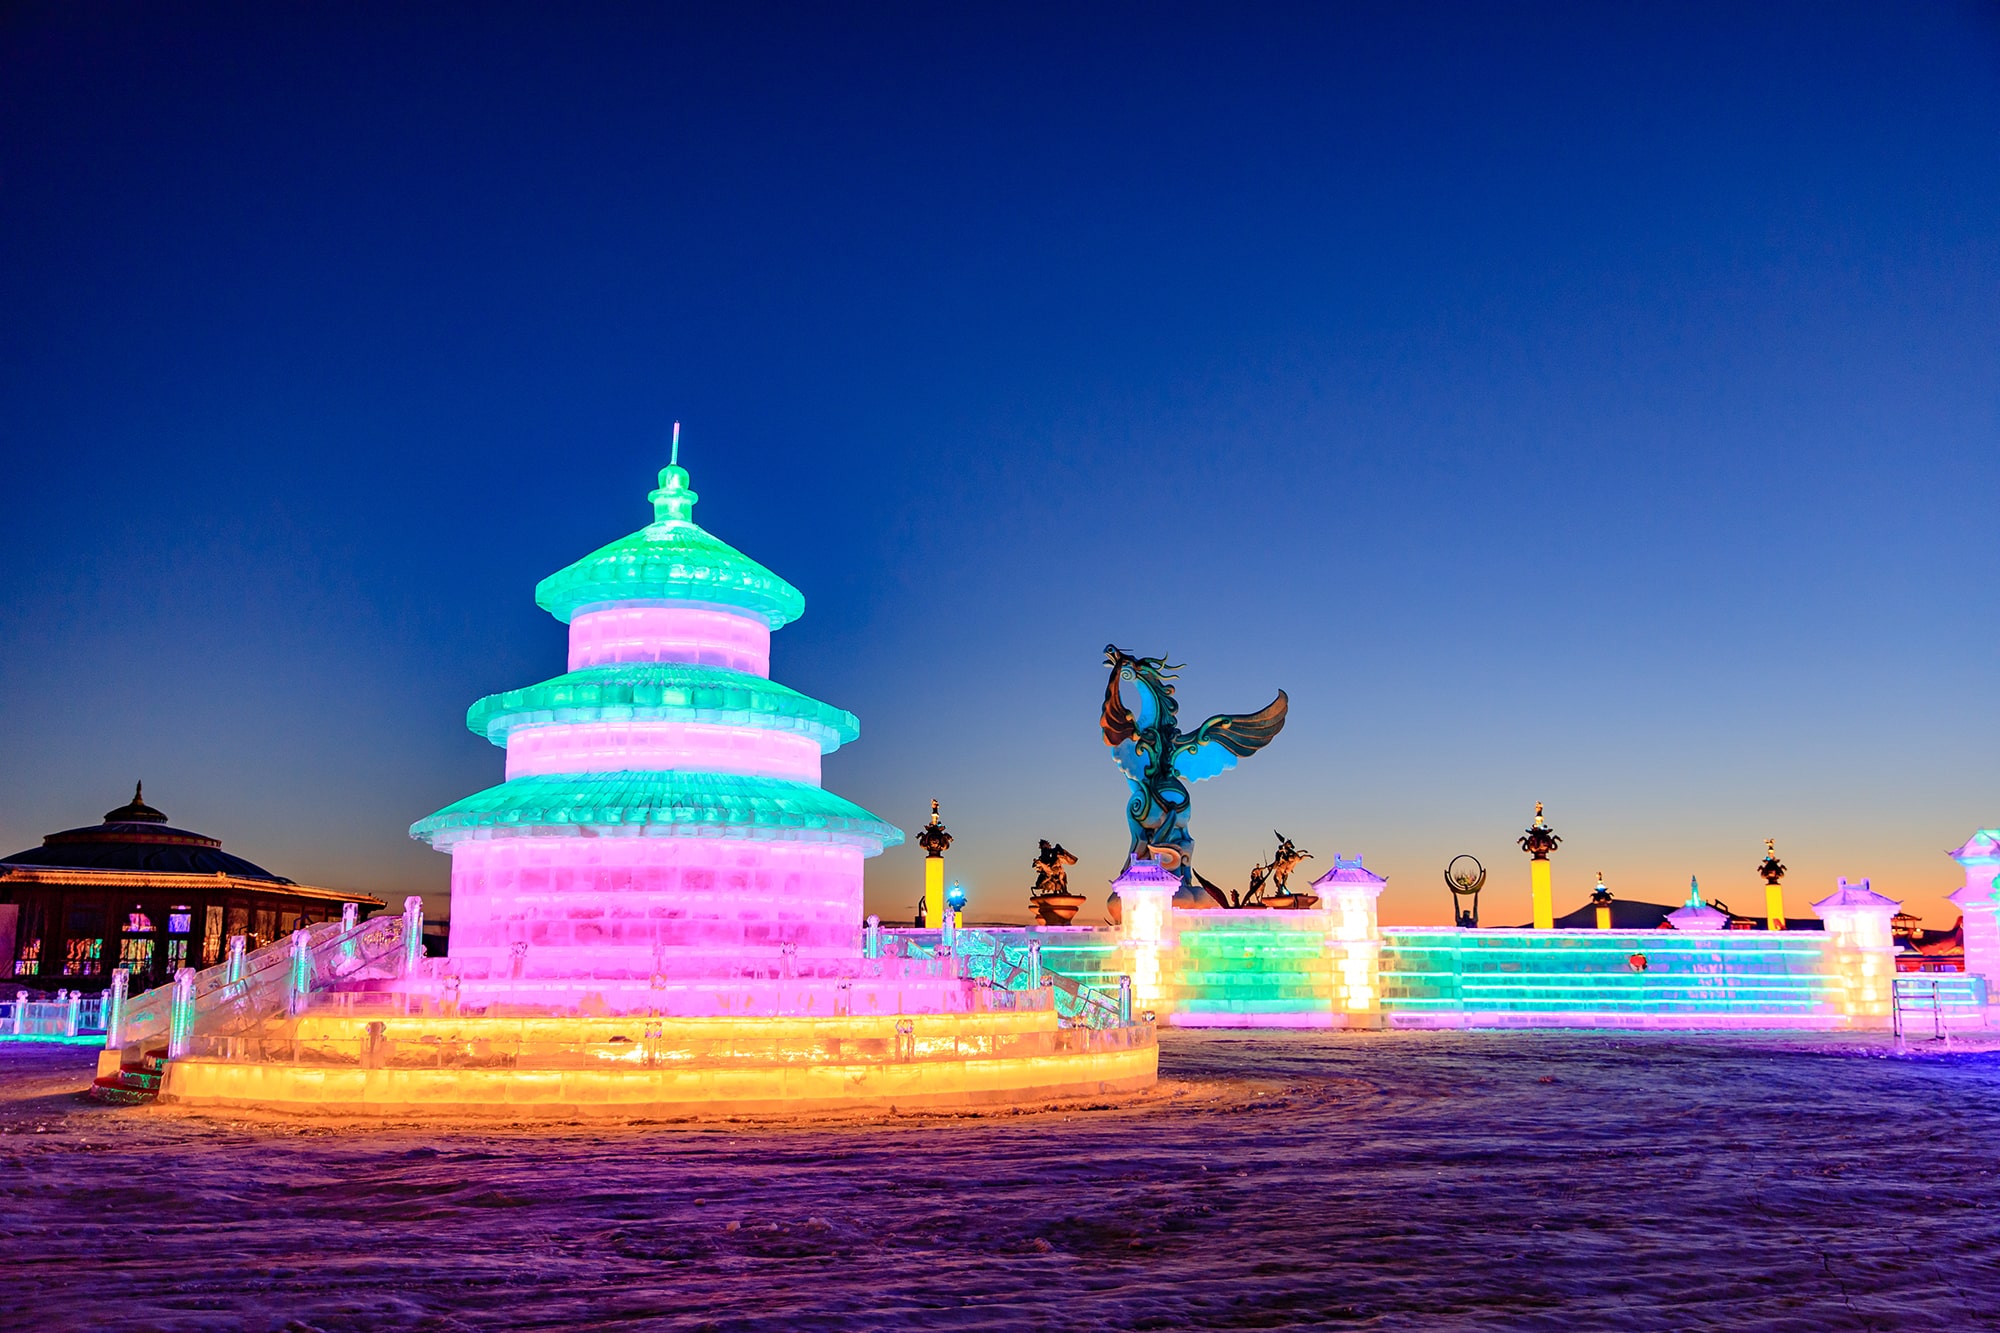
x=1382 y=1181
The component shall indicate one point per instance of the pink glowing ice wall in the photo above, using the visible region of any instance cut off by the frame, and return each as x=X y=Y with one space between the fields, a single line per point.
x=662 y=815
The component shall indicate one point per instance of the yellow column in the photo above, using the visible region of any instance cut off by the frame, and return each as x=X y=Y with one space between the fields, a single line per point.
x=1545 y=897
x=1538 y=842
x=934 y=891
x=1773 y=870
x=933 y=839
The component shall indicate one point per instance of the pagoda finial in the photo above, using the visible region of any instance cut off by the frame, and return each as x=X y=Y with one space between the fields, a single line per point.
x=1694 y=892
x=674 y=501
x=139 y=793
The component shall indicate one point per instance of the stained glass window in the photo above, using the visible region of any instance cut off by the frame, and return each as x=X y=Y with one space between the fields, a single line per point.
x=135 y=954
x=137 y=922
x=85 y=958
x=29 y=960
x=180 y=920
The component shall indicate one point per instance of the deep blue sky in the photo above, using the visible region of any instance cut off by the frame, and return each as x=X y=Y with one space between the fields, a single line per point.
x=1590 y=404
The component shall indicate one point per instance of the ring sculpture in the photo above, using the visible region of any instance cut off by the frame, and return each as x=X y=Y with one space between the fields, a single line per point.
x=1160 y=761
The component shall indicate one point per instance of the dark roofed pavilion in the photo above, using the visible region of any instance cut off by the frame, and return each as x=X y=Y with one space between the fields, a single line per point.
x=137 y=892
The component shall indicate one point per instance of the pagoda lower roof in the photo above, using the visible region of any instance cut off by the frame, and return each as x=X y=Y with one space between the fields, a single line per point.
x=662 y=692
x=711 y=805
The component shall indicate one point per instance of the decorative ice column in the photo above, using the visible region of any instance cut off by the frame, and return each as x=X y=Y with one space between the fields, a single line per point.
x=1980 y=856
x=1696 y=915
x=1863 y=948
x=1350 y=890
x=1147 y=891
x=662 y=813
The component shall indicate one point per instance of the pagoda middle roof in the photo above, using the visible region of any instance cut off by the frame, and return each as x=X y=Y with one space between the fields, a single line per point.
x=662 y=692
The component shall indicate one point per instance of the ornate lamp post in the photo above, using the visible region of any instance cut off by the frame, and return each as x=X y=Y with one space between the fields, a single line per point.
x=1773 y=871
x=1538 y=842
x=933 y=839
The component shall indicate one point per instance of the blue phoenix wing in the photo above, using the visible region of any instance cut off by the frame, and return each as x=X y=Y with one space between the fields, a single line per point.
x=1216 y=745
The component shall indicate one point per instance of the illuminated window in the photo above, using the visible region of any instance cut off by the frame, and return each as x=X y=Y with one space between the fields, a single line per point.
x=85 y=958
x=180 y=920
x=137 y=922
x=137 y=955
x=267 y=926
x=177 y=955
x=29 y=960
x=211 y=942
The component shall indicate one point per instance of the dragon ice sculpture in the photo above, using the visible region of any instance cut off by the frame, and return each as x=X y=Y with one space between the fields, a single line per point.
x=1160 y=761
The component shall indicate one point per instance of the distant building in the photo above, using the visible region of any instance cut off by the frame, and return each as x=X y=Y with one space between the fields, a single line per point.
x=135 y=892
x=1920 y=950
x=1629 y=914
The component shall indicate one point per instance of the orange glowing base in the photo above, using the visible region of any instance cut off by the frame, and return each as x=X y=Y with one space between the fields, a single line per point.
x=556 y=1067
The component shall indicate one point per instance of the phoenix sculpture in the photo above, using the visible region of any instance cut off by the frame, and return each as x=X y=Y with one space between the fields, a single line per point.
x=1160 y=761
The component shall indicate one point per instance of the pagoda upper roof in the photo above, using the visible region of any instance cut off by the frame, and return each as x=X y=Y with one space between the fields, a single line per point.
x=671 y=559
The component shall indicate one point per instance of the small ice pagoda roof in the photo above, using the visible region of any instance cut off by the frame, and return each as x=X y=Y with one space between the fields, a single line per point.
x=1854 y=895
x=1346 y=874
x=671 y=559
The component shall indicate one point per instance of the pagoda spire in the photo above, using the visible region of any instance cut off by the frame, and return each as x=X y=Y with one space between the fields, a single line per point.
x=674 y=501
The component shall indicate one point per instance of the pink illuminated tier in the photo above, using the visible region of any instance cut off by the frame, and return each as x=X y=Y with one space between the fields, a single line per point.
x=607 y=747
x=712 y=636
x=626 y=907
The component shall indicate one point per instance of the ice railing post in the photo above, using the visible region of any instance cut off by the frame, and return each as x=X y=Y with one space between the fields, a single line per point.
x=1034 y=964
x=73 y=1012
x=301 y=974
x=1125 y=999
x=238 y=945
x=114 y=1008
x=20 y=1013
x=180 y=1024
x=413 y=933
x=871 y=946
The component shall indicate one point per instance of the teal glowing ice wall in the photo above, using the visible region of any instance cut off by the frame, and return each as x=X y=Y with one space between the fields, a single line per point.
x=662 y=812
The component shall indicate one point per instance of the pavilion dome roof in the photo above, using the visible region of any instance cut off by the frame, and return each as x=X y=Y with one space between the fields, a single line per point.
x=672 y=558
x=135 y=836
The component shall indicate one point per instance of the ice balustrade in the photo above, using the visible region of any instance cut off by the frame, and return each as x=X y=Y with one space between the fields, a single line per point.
x=249 y=987
x=1015 y=965
x=375 y=1030
x=31 y=1015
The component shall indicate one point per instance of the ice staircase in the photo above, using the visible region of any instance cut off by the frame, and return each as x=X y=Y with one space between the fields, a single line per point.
x=134 y=1082
x=248 y=989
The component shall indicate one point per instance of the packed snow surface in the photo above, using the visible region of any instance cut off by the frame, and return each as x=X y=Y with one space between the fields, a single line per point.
x=1383 y=1181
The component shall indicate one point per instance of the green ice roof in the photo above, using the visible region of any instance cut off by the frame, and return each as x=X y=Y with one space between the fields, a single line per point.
x=662 y=692
x=671 y=559
x=686 y=804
